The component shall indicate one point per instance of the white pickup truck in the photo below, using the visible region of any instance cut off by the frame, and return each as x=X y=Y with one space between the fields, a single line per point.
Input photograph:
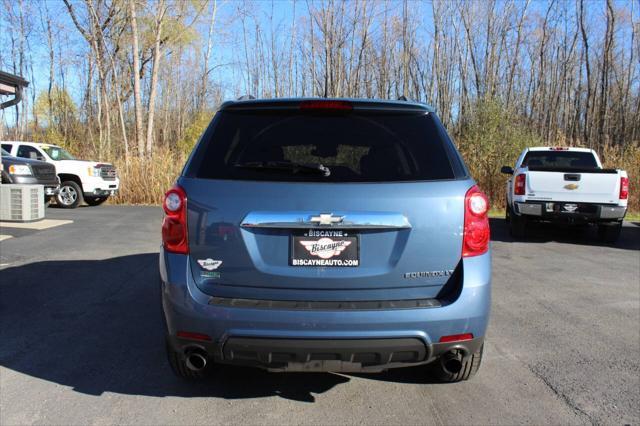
x=80 y=180
x=565 y=185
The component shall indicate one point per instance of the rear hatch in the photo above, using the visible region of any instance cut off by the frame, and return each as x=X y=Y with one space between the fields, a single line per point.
x=570 y=176
x=325 y=205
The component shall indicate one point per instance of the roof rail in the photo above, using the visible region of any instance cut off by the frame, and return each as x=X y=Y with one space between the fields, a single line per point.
x=246 y=98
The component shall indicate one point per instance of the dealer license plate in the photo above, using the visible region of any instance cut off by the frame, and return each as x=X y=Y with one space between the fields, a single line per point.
x=319 y=247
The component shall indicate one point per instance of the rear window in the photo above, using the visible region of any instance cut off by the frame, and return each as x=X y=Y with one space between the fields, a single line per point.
x=560 y=159
x=351 y=147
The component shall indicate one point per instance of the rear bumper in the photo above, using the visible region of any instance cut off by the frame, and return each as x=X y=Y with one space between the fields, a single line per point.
x=321 y=340
x=337 y=355
x=557 y=211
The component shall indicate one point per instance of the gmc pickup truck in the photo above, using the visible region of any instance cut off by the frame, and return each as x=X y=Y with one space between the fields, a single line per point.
x=89 y=181
x=565 y=185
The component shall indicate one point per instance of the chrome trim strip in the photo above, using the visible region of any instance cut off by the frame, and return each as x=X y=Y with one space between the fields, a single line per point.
x=302 y=220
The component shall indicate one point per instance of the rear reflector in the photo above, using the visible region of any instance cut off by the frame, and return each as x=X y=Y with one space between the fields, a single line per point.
x=193 y=336
x=326 y=105
x=624 y=188
x=456 y=338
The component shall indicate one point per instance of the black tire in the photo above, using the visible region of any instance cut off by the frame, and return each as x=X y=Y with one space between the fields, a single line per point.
x=179 y=366
x=95 y=201
x=609 y=232
x=469 y=368
x=517 y=225
x=70 y=195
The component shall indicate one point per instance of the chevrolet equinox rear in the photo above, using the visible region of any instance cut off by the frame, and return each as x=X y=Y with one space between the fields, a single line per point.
x=325 y=235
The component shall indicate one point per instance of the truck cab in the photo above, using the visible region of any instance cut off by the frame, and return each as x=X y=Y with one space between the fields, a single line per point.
x=89 y=181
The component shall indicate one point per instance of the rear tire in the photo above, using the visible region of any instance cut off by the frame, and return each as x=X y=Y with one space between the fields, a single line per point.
x=469 y=368
x=609 y=232
x=95 y=201
x=179 y=365
x=70 y=195
x=517 y=225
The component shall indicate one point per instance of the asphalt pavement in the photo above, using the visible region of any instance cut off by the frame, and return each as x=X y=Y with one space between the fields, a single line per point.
x=81 y=339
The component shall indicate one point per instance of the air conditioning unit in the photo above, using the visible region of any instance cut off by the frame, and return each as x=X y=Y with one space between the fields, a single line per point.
x=21 y=203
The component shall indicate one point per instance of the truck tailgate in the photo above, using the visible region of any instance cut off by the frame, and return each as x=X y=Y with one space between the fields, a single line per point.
x=593 y=187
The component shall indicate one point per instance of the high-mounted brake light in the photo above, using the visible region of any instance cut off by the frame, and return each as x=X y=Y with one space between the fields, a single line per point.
x=456 y=338
x=519 y=185
x=475 y=240
x=174 y=224
x=624 y=188
x=559 y=148
x=326 y=105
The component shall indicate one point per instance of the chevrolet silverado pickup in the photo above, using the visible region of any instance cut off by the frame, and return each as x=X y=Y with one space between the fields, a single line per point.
x=560 y=184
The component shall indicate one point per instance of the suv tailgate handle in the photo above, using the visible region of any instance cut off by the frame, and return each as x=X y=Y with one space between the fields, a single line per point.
x=333 y=220
x=572 y=177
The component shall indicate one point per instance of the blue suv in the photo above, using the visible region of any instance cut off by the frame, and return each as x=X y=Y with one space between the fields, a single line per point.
x=325 y=235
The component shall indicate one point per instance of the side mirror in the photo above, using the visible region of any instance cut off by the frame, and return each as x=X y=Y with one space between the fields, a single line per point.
x=506 y=170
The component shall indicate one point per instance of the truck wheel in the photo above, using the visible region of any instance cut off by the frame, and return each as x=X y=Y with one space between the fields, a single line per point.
x=469 y=367
x=95 y=201
x=70 y=195
x=178 y=364
x=609 y=232
x=517 y=225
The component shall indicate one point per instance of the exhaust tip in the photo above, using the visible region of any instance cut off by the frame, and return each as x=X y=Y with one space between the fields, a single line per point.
x=451 y=362
x=196 y=361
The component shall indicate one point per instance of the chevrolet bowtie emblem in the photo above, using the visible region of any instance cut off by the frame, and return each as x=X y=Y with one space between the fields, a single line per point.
x=571 y=186
x=326 y=219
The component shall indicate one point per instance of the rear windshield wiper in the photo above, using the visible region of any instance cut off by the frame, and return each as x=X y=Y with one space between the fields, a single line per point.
x=286 y=166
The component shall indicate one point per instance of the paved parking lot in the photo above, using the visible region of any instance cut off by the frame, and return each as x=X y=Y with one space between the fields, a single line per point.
x=81 y=339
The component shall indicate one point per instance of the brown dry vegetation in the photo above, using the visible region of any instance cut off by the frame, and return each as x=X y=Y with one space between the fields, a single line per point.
x=144 y=182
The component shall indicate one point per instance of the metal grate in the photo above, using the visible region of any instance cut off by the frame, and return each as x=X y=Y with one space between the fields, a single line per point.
x=108 y=173
x=43 y=171
x=35 y=205
x=16 y=204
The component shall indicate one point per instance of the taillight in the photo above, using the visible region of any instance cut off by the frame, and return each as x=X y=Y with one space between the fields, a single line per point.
x=475 y=240
x=519 y=185
x=624 y=188
x=174 y=224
